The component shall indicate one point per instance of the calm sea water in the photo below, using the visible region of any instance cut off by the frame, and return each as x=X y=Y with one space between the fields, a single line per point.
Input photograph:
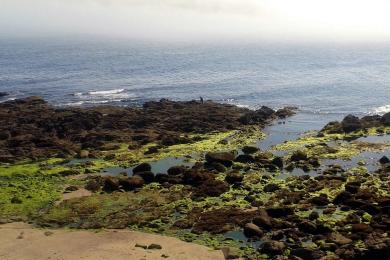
x=329 y=79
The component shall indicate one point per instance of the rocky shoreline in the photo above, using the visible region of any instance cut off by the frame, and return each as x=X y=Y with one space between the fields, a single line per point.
x=321 y=196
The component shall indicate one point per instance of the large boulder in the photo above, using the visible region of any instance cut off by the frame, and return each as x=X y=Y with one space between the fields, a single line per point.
x=110 y=184
x=386 y=119
x=148 y=177
x=273 y=247
x=384 y=160
x=143 y=167
x=351 y=123
x=225 y=158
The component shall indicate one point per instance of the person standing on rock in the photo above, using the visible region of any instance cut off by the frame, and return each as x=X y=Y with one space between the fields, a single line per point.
x=201 y=100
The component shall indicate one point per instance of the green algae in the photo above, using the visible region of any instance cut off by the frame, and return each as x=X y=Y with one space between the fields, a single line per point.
x=22 y=196
x=217 y=141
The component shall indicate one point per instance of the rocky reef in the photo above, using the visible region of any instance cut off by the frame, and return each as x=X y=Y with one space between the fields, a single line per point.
x=324 y=195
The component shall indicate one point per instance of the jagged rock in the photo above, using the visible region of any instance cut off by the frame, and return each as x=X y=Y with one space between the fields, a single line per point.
x=351 y=123
x=384 y=160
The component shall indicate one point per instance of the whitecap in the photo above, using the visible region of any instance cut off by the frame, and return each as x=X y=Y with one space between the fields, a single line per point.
x=106 y=92
x=381 y=110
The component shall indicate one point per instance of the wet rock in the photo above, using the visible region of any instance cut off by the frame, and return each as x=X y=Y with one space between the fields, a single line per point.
x=384 y=160
x=257 y=117
x=273 y=247
x=225 y=158
x=234 y=177
x=351 y=123
x=143 y=167
x=250 y=149
x=3 y=94
x=252 y=230
x=272 y=187
x=176 y=170
x=148 y=176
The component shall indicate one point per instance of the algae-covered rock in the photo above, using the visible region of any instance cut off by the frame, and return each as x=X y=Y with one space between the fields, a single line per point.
x=226 y=158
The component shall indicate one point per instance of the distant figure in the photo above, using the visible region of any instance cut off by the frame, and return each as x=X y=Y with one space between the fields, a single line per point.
x=201 y=100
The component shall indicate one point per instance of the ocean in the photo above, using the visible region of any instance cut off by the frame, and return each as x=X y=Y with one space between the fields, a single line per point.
x=327 y=79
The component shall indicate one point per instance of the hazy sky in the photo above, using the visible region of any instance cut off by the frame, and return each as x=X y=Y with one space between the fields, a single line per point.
x=199 y=19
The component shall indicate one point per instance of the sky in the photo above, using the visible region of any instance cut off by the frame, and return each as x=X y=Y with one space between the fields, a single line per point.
x=349 y=20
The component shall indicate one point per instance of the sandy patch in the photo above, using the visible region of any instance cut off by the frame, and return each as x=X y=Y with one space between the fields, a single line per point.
x=22 y=241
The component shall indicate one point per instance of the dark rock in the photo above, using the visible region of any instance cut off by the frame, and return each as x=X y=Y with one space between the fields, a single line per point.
x=307 y=227
x=314 y=215
x=321 y=200
x=279 y=212
x=71 y=189
x=69 y=173
x=342 y=197
x=352 y=187
x=211 y=188
x=245 y=158
x=143 y=167
x=225 y=158
x=273 y=247
x=351 y=123
x=384 y=160
x=147 y=176
x=176 y=170
x=361 y=227
x=263 y=220
x=299 y=156
x=110 y=184
x=93 y=185
x=252 y=230
x=307 y=253
x=132 y=183
x=219 y=167
x=250 y=149
x=386 y=119
x=272 y=187
x=278 y=161
x=3 y=94
x=234 y=177
x=154 y=247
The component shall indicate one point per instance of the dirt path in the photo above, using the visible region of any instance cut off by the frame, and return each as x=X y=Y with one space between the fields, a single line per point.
x=22 y=241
